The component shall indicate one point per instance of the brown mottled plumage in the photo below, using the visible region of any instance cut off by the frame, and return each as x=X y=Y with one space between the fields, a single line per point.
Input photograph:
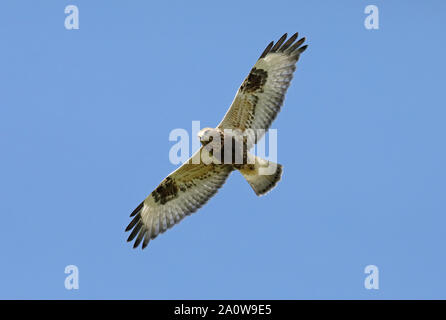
x=255 y=106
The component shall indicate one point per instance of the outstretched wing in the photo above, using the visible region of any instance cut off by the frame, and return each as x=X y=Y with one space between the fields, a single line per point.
x=178 y=195
x=261 y=94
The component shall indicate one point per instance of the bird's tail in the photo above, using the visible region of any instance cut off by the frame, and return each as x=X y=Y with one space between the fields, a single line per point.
x=262 y=175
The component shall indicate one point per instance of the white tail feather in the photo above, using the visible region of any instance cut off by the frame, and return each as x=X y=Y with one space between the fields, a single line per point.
x=262 y=176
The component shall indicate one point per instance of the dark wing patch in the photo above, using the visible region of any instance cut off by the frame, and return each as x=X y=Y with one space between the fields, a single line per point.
x=255 y=81
x=166 y=191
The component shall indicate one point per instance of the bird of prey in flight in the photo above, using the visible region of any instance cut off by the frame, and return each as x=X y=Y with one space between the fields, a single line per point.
x=256 y=104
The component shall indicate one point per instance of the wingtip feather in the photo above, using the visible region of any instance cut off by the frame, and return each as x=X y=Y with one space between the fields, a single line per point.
x=289 y=47
x=279 y=43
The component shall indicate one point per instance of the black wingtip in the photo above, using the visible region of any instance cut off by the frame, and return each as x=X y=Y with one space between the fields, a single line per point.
x=290 y=47
x=279 y=43
x=135 y=231
x=267 y=49
x=303 y=48
x=144 y=244
x=289 y=42
x=138 y=208
x=133 y=222
x=139 y=239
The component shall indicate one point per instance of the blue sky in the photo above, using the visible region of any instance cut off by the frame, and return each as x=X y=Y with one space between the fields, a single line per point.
x=85 y=117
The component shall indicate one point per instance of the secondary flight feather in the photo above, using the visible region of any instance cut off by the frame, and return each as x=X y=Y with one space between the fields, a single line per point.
x=255 y=106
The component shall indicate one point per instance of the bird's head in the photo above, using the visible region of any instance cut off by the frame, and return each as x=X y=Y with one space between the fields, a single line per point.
x=207 y=135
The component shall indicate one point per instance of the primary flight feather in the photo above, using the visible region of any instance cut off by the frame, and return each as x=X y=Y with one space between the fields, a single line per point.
x=256 y=104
